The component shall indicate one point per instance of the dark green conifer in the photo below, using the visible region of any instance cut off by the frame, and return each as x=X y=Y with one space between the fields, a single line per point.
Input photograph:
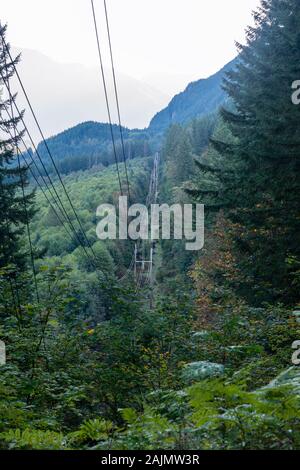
x=15 y=210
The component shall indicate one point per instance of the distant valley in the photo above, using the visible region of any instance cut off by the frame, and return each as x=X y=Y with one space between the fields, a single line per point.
x=67 y=94
x=89 y=144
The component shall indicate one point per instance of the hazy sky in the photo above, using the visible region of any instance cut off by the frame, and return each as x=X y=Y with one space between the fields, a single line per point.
x=152 y=39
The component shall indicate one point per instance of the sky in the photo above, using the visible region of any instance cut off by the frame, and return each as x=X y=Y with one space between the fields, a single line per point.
x=159 y=47
x=163 y=42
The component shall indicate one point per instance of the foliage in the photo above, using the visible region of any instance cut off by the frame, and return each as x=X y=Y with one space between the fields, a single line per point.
x=88 y=145
x=90 y=364
x=15 y=202
x=33 y=440
x=258 y=165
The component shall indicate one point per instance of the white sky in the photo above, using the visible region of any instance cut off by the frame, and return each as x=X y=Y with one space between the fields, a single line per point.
x=151 y=38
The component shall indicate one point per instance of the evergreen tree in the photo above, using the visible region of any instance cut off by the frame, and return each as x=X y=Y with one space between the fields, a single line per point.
x=259 y=178
x=201 y=131
x=15 y=210
x=178 y=154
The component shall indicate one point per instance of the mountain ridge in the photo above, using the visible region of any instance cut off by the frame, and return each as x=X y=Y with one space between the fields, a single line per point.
x=70 y=93
x=200 y=97
x=89 y=144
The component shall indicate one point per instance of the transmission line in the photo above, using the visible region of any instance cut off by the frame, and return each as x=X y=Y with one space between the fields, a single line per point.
x=49 y=152
x=60 y=205
x=106 y=95
x=28 y=167
x=15 y=142
x=116 y=97
x=52 y=159
x=41 y=175
x=65 y=213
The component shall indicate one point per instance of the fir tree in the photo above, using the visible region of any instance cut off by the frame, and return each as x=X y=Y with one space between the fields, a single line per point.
x=258 y=177
x=178 y=154
x=15 y=209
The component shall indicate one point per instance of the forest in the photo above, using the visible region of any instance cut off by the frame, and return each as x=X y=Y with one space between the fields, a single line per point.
x=89 y=145
x=206 y=357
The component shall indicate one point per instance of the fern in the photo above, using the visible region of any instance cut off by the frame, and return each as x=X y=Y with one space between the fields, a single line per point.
x=30 y=439
x=93 y=430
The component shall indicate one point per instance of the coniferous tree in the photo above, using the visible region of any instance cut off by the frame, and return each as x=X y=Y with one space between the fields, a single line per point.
x=201 y=131
x=178 y=154
x=259 y=177
x=15 y=209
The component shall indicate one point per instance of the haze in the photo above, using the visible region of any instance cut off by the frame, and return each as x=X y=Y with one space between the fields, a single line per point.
x=164 y=44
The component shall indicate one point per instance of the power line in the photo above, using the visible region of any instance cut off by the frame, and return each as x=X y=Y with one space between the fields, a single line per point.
x=108 y=108
x=50 y=154
x=151 y=198
x=117 y=97
x=42 y=177
x=28 y=167
x=46 y=145
x=15 y=141
x=66 y=215
x=60 y=205
x=106 y=95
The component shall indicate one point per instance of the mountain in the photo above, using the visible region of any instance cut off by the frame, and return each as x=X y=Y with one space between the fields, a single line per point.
x=202 y=97
x=89 y=145
x=66 y=94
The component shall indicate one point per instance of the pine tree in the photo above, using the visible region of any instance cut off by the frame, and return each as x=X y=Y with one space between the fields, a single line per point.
x=178 y=154
x=259 y=178
x=15 y=209
x=201 y=131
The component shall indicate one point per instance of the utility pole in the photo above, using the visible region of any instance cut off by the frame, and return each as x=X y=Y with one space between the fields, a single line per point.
x=151 y=279
x=140 y=265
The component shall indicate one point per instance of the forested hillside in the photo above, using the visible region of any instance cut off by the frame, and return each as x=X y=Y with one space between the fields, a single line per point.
x=203 y=357
x=89 y=145
x=53 y=246
x=202 y=97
